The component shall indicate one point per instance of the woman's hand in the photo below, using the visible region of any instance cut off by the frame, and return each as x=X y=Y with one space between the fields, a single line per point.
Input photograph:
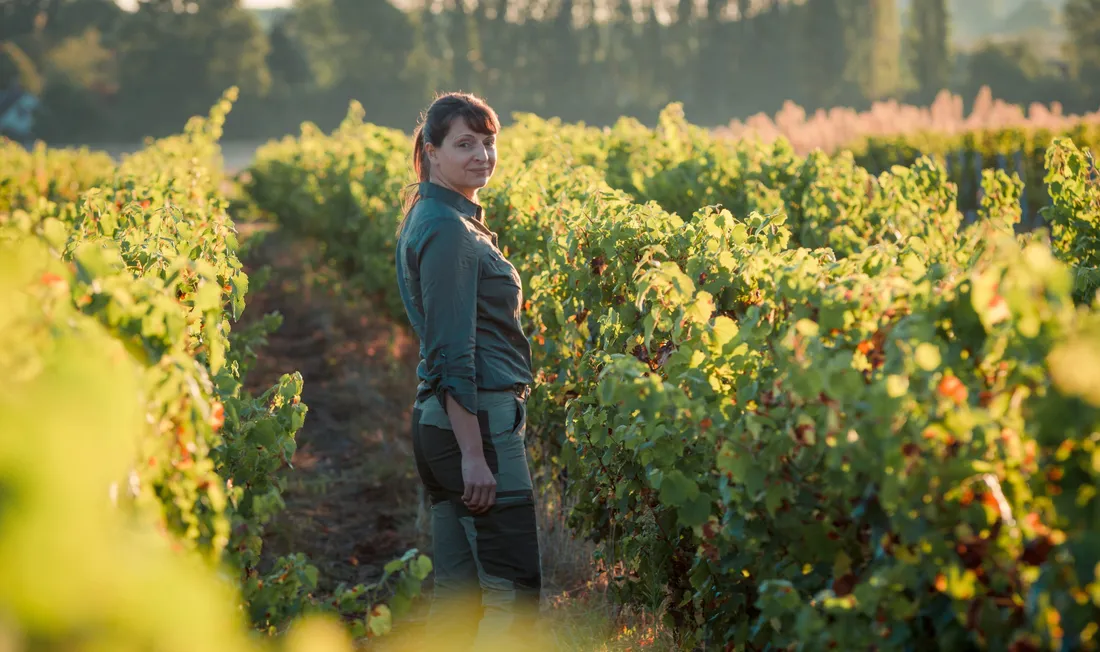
x=481 y=486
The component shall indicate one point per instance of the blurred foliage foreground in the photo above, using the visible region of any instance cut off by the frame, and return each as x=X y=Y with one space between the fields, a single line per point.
x=136 y=475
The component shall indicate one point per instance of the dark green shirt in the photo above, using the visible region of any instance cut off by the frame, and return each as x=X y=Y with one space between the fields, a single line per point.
x=463 y=299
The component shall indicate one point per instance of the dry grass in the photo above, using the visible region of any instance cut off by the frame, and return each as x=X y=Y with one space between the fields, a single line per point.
x=585 y=619
x=836 y=128
x=566 y=559
x=589 y=621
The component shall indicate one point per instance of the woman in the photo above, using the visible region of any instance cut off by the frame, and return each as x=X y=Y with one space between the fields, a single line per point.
x=463 y=299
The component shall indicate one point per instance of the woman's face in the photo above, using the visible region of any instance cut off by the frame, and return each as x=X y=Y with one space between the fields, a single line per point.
x=466 y=159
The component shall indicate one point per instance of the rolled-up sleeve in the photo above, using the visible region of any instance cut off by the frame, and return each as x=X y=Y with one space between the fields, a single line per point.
x=449 y=273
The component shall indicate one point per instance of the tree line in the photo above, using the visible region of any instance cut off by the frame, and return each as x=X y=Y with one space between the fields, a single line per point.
x=104 y=73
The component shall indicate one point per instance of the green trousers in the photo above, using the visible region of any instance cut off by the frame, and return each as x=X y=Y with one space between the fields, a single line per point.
x=488 y=571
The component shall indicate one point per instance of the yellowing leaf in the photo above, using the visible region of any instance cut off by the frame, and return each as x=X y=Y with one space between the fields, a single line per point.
x=379 y=620
x=927 y=356
x=807 y=327
x=842 y=564
x=724 y=330
x=896 y=386
x=1075 y=369
x=700 y=311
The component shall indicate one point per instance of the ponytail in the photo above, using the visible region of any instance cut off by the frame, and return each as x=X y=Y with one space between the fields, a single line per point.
x=422 y=167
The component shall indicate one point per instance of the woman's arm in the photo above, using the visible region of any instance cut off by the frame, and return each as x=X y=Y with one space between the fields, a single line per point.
x=480 y=485
x=449 y=272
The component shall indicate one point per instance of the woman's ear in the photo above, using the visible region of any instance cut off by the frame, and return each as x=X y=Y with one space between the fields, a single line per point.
x=431 y=151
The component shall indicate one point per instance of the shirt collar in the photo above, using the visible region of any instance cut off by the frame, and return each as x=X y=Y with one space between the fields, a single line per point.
x=451 y=198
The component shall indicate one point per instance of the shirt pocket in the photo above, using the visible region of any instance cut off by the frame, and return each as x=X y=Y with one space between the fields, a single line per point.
x=497 y=269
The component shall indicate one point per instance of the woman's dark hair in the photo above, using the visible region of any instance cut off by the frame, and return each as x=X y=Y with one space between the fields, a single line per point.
x=435 y=124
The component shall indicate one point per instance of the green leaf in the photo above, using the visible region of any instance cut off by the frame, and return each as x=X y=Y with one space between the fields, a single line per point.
x=422 y=567
x=649 y=324
x=400 y=604
x=240 y=291
x=696 y=510
x=677 y=489
x=773 y=498
x=215 y=345
x=754 y=479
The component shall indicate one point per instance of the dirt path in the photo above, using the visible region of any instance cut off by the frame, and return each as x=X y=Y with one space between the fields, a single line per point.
x=351 y=500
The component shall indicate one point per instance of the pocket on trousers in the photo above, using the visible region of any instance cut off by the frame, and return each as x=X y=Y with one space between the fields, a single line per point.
x=508 y=544
x=513 y=474
x=519 y=428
